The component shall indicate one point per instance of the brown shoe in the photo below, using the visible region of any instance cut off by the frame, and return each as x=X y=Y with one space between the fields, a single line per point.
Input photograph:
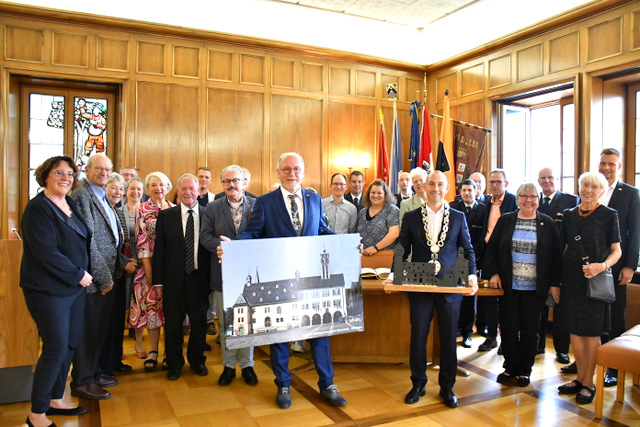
x=91 y=391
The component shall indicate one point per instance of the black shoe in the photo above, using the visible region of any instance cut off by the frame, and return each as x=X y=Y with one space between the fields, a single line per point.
x=487 y=345
x=610 y=378
x=466 y=342
x=68 y=412
x=283 y=399
x=332 y=396
x=414 y=395
x=563 y=358
x=174 y=374
x=249 y=375
x=107 y=381
x=484 y=332
x=504 y=378
x=500 y=350
x=123 y=368
x=29 y=424
x=570 y=369
x=207 y=346
x=584 y=398
x=540 y=351
x=569 y=388
x=227 y=375
x=91 y=392
x=200 y=369
x=450 y=399
x=522 y=380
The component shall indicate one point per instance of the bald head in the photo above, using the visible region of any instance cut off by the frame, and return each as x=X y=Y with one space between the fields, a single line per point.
x=546 y=180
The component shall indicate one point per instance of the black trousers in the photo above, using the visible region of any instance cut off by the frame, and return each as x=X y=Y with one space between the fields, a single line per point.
x=194 y=301
x=467 y=315
x=491 y=315
x=59 y=321
x=86 y=369
x=519 y=330
x=421 y=307
x=618 y=311
x=561 y=338
x=111 y=356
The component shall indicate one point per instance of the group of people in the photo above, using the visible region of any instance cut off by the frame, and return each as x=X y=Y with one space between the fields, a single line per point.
x=95 y=248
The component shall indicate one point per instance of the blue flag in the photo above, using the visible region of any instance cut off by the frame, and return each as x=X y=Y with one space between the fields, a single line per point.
x=414 y=148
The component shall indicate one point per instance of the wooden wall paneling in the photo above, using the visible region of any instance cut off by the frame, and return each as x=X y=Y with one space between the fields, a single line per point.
x=296 y=125
x=112 y=54
x=186 y=61
x=529 y=62
x=70 y=49
x=385 y=80
x=166 y=129
x=220 y=66
x=614 y=114
x=282 y=73
x=446 y=82
x=365 y=83
x=635 y=30
x=234 y=133
x=604 y=39
x=339 y=80
x=311 y=77
x=499 y=71
x=252 y=69
x=564 y=52
x=414 y=90
x=472 y=79
x=23 y=44
x=151 y=58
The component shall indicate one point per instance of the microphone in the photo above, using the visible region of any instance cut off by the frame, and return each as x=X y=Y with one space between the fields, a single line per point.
x=15 y=231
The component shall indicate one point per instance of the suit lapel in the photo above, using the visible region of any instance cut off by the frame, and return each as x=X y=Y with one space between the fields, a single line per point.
x=617 y=192
x=226 y=214
x=282 y=210
x=247 y=205
x=66 y=220
x=99 y=206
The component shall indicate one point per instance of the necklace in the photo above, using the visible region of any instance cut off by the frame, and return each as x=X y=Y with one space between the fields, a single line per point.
x=584 y=215
x=434 y=247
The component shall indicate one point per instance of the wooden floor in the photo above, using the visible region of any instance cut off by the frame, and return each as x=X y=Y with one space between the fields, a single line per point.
x=375 y=395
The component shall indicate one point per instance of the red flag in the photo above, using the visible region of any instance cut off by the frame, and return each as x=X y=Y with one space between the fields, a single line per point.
x=382 y=169
x=425 y=139
x=445 y=149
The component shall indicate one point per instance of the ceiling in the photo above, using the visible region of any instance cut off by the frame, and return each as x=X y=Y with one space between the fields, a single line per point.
x=420 y=32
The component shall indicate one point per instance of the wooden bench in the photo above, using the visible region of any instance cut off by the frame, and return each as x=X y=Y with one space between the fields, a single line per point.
x=623 y=354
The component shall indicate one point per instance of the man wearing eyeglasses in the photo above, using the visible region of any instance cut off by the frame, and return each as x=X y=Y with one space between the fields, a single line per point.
x=341 y=215
x=289 y=212
x=227 y=216
x=106 y=259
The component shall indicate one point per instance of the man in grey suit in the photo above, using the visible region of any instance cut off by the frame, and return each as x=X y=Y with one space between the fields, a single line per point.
x=90 y=197
x=227 y=216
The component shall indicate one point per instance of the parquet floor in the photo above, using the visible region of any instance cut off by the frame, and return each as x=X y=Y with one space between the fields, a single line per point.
x=375 y=395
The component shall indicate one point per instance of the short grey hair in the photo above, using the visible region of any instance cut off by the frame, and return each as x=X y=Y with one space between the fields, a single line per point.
x=187 y=175
x=527 y=187
x=235 y=168
x=96 y=156
x=291 y=154
x=162 y=177
x=115 y=176
x=418 y=172
x=593 y=178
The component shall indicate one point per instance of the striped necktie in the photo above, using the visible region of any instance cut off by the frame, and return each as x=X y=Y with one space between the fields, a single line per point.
x=188 y=245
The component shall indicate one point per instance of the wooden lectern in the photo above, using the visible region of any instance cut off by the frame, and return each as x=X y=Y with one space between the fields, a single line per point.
x=19 y=342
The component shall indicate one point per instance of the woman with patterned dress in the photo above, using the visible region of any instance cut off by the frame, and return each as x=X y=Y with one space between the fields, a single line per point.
x=590 y=231
x=146 y=308
x=378 y=224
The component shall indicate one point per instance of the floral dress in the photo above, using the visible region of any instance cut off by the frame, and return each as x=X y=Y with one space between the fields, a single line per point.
x=146 y=309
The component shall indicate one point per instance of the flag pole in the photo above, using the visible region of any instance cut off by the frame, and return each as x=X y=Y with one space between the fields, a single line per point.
x=488 y=130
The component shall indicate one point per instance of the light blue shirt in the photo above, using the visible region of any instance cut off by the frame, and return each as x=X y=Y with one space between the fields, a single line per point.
x=101 y=193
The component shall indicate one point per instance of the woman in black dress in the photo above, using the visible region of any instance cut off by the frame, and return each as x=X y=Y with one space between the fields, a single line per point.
x=588 y=230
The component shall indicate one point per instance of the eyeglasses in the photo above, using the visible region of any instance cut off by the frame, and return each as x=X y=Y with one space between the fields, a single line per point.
x=234 y=181
x=495 y=182
x=287 y=170
x=60 y=174
x=101 y=169
x=338 y=184
x=528 y=197
x=127 y=174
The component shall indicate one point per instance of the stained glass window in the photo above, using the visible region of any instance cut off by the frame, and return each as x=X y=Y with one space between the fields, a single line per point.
x=89 y=128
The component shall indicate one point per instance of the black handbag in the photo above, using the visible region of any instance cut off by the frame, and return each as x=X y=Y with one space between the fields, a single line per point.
x=601 y=286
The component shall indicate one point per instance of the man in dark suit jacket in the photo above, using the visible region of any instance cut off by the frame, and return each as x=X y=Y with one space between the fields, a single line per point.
x=404 y=182
x=625 y=199
x=475 y=215
x=289 y=212
x=181 y=269
x=552 y=202
x=500 y=202
x=421 y=304
x=102 y=221
x=227 y=217
x=356 y=184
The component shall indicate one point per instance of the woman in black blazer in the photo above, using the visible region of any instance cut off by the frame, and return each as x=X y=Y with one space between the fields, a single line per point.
x=53 y=277
x=523 y=257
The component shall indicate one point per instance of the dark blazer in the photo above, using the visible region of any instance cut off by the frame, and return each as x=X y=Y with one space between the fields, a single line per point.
x=169 y=254
x=560 y=202
x=498 y=257
x=217 y=221
x=399 y=199
x=349 y=198
x=477 y=227
x=414 y=241
x=270 y=217
x=221 y=194
x=56 y=249
x=626 y=201
x=509 y=204
x=105 y=256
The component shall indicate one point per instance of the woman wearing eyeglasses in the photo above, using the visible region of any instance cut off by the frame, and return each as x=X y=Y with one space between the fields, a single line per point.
x=523 y=258
x=53 y=277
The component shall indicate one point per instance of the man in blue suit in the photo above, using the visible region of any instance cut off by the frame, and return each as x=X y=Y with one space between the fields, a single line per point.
x=424 y=233
x=292 y=211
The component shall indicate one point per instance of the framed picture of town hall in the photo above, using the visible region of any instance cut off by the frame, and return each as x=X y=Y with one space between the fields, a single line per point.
x=291 y=289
